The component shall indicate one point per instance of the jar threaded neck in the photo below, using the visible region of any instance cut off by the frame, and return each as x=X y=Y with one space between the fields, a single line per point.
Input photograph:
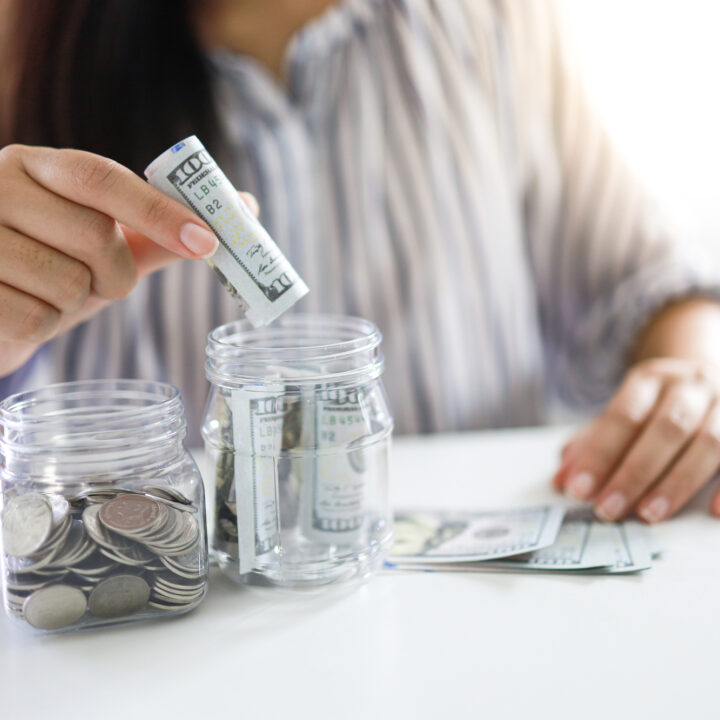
x=297 y=349
x=91 y=427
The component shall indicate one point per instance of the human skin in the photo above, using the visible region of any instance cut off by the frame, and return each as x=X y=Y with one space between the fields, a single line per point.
x=78 y=230
x=657 y=442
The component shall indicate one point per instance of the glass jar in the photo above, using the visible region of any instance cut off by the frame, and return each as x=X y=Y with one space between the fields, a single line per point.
x=103 y=516
x=298 y=432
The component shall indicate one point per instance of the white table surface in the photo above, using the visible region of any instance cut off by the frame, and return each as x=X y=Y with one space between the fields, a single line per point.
x=411 y=646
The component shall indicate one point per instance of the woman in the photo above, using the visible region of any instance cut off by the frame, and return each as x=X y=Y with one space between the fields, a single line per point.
x=430 y=165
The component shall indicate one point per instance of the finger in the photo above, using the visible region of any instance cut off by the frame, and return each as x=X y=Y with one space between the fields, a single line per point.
x=25 y=318
x=114 y=190
x=149 y=256
x=14 y=355
x=680 y=369
x=677 y=417
x=692 y=470
x=87 y=235
x=43 y=272
x=251 y=201
x=571 y=450
x=611 y=434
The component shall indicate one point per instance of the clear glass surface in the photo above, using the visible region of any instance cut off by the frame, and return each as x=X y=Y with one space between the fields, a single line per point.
x=103 y=516
x=298 y=431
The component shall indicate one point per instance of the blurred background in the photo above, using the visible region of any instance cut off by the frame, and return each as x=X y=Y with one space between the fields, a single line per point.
x=651 y=68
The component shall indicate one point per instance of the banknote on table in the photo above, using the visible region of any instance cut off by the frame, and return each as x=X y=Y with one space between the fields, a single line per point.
x=583 y=545
x=456 y=537
x=586 y=545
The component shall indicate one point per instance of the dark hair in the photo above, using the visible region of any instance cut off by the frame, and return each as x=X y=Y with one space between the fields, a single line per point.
x=122 y=78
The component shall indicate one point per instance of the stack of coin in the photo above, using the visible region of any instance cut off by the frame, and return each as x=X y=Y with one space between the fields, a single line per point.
x=105 y=553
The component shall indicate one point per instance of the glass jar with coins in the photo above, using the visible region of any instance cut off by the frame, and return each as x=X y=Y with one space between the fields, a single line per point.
x=103 y=517
x=298 y=431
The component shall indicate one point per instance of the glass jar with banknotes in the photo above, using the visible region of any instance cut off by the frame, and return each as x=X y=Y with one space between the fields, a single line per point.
x=103 y=517
x=298 y=433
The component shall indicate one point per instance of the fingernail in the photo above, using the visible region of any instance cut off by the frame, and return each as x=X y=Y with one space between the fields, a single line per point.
x=580 y=486
x=198 y=240
x=612 y=507
x=655 y=510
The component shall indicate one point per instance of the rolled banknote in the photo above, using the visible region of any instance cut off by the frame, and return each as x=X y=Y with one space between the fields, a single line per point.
x=247 y=260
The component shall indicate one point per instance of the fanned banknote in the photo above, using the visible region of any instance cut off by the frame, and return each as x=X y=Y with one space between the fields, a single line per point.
x=581 y=545
x=584 y=544
x=454 y=537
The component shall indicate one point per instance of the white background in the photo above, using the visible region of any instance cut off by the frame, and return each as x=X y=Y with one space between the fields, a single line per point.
x=446 y=646
x=651 y=67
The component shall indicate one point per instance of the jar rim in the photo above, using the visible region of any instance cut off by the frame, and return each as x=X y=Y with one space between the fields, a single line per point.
x=162 y=400
x=364 y=334
x=319 y=347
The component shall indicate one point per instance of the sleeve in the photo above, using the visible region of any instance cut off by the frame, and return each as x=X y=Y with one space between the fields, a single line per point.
x=603 y=258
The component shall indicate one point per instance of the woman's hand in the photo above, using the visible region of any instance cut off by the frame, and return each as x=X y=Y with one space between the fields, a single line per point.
x=77 y=231
x=653 y=447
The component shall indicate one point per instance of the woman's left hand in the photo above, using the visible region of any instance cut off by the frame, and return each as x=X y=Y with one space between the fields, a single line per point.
x=653 y=447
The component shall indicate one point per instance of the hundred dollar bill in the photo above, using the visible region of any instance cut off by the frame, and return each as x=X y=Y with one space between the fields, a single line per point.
x=582 y=545
x=258 y=426
x=336 y=422
x=609 y=549
x=247 y=261
x=447 y=538
x=298 y=460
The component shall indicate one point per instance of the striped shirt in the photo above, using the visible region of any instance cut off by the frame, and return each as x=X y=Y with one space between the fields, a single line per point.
x=431 y=165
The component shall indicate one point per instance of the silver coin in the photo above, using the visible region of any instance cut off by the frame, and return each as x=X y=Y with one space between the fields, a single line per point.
x=20 y=565
x=171 y=536
x=54 y=607
x=73 y=542
x=57 y=536
x=93 y=527
x=157 y=527
x=188 y=565
x=171 y=581
x=103 y=537
x=177 y=595
x=118 y=596
x=17 y=598
x=169 y=607
x=175 y=592
x=25 y=583
x=60 y=508
x=173 y=524
x=135 y=557
x=130 y=513
x=188 y=537
x=99 y=496
x=167 y=493
x=51 y=573
x=94 y=567
x=27 y=521
x=154 y=566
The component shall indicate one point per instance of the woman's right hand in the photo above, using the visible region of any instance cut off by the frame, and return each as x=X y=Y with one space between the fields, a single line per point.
x=77 y=231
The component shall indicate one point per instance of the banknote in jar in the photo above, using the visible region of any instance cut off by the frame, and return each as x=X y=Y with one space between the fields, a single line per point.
x=335 y=424
x=259 y=423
